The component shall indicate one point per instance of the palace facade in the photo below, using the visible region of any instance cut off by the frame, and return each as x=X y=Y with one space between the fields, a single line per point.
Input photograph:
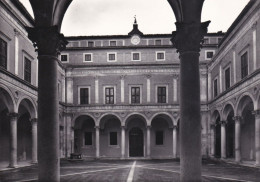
x=119 y=94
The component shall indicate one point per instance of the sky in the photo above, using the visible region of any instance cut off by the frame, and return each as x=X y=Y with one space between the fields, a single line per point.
x=116 y=17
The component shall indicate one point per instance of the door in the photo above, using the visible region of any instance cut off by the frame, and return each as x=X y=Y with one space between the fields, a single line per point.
x=136 y=143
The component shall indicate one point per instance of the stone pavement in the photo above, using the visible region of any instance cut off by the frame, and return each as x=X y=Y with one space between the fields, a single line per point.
x=134 y=171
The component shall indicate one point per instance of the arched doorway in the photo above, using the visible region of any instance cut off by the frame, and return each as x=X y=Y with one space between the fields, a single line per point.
x=136 y=142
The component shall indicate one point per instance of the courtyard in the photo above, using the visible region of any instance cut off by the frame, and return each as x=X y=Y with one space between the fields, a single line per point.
x=135 y=170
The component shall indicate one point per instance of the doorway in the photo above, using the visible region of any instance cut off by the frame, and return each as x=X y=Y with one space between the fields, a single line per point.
x=136 y=142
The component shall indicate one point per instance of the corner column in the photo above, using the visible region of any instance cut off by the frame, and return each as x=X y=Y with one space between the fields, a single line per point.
x=122 y=142
x=174 y=140
x=34 y=140
x=212 y=132
x=257 y=137
x=148 y=130
x=223 y=139
x=97 y=142
x=48 y=42
x=187 y=39
x=13 y=139
x=237 y=120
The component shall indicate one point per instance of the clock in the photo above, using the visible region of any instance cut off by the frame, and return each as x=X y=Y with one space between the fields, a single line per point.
x=135 y=40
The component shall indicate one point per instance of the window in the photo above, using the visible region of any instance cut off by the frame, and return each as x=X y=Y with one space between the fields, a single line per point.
x=88 y=57
x=158 y=42
x=136 y=56
x=159 y=138
x=206 y=41
x=160 y=56
x=64 y=58
x=27 y=70
x=219 y=40
x=161 y=93
x=215 y=87
x=109 y=91
x=88 y=138
x=227 y=78
x=84 y=96
x=111 y=57
x=244 y=65
x=112 y=43
x=3 y=54
x=113 y=138
x=209 y=54
x=90 y=44
x=135 y=95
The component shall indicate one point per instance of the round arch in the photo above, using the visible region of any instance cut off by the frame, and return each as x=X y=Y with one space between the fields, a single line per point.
x=136 y=116
x=102 y=120
x=214 y=116
x=77 y=116
x=243 y=100
x=166 y=116
x=29 y=104
x=227 y=109
x=7 y=97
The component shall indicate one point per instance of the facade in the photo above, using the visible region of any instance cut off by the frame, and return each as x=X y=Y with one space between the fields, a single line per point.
x=119 y=94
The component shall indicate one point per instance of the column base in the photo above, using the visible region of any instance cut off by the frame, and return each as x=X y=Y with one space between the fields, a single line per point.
x=12 y=166
x=34 y=162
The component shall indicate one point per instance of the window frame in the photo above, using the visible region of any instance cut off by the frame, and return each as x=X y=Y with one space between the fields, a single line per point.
x=206 y=56
x=26 y=58
x=132 y=56
x=65 y=54
x=114 y=41
x=157 y=96
x=92 y=138
x=229 y=67
x=7 y=52
x=109 y=139
x=130 y=93
x=159 y=52
x=108 y=60
x=104 y=90
x=84 y=56
x=90 y=42
x=215 y=92
x=157 y=144
x=247 y=64
x=89 y=101
x=155 y=42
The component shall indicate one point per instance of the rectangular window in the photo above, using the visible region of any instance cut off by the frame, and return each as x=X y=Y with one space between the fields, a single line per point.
x=136 y=56
x=113 y=138
x=88 y=58
x=112 y=43
x=27 y=70
x=64 y=58
x=158 y=42
x=88 y=138
x=84 y=96
x=90 y=44
x=215 y=88
x=227 y=78
x=111 y=57
x=135 y=95
x=159 y=138
x=209 y=54
x=244 y=65
x=3 y=54
x=206 y=41
x=109 y=95
x=161 y=92
x=160 y=56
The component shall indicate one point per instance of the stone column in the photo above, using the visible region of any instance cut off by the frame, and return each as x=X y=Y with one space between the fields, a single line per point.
x=223 y=139
x=187 y=39
x=174 y=141
x=257 y=137
x=97 y=142
x=123 y=142
x=72 y=133
x=175 y=89
x=96 y=90
x=16 y=47
x=122 y=78
x=254 y=46
x=212 y=131
x=34 y=140
x=13 y=139
x=148 y=88
x=48 y=42
x=148 y=141
x=237 y=138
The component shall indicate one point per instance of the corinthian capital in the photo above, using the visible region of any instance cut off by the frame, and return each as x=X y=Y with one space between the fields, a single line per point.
x=47 y=40
x=189 y=36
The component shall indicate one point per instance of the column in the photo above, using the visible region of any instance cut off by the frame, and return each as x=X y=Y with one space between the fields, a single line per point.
x=123 y=142
x=257 y=137
x=34 y=140
x=122 y=77
x=209 y=86
x=48 y=42
x=97 y=142
x=96 y=90
x=148 y=141
x=148 y=88
x=237 y=138
x=68 y=146
x=254 y=46
x=223 y=139
x=220 y=80
x=212 y=132
x=174 y=140
x=69 y=93
x=72 y=133
x=16 y=56
x=13 y=139
x=187 y=39
x=175 y=89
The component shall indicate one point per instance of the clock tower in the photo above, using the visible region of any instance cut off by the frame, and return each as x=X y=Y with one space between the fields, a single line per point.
x=135 y=34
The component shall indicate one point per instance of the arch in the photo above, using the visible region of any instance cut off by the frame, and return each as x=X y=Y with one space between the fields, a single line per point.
x=101 y=121
x=243 y=100
x=29 y=104
x=7 y=98
x=80 y=115
x=214 y=116
x=258 y=101
x=228 y=108
x=167 y=117
x=134 y=116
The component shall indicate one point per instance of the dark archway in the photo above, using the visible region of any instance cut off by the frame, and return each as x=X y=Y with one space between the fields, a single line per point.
x=136 y=142
x=230 y=134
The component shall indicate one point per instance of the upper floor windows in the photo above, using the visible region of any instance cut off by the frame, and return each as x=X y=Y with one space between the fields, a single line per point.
x=206 y=40
x=112 y=43
x=158 y=42
x=88 y=57
x=64 y=57
x=135 y=95
x=27 y=70
x=215 y=88
x=136 y=56
x=161 y=94
x=111 y=57
x=244 y=65
x=209 y=54
x=3 y=54
x=90 y=44
x=227 y=78
x=160 y=56
x=84 y=96
x=109 y=95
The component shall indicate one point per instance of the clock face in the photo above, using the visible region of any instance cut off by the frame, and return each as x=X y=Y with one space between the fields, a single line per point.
x=135 y=40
